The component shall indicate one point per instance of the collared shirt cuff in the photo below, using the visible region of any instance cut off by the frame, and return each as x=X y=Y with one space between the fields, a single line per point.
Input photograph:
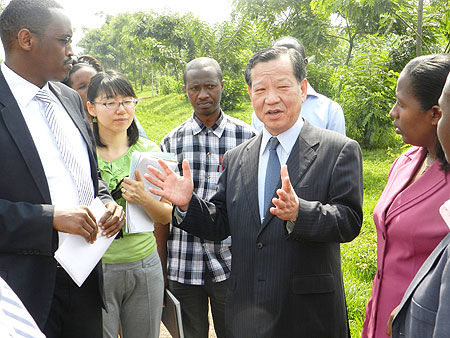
x=290 y=226
x=179 y=215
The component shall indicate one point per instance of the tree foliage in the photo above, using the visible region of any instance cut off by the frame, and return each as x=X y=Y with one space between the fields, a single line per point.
x=367 y=94
x=355 y=49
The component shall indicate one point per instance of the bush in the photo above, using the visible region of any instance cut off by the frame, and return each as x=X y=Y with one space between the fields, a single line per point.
x=169 y=85
x=367 y=93
x=235 y=92
x=319 y=76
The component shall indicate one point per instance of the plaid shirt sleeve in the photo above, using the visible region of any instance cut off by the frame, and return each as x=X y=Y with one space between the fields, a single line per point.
x=191 y=259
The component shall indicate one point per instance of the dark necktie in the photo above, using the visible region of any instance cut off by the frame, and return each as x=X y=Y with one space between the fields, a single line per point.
x=272 y=173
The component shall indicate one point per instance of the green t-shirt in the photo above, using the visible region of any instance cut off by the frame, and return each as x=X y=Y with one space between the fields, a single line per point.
x=132 y=247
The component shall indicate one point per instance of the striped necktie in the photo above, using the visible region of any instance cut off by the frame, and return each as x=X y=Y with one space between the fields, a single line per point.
x=15 y=321
x=272 y=173
x=82 y=178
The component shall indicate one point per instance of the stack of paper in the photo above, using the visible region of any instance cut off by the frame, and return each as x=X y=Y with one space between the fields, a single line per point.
x=137 y=219
x=77 y=256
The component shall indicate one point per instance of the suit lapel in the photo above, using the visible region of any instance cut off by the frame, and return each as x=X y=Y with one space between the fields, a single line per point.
x=404 y=197
x=249 y=169
x=81 y=125
x=73 y=112
x=302 y=156
x=17 y=127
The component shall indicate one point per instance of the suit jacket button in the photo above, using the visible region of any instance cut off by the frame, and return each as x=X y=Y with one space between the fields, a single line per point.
x=259 y=245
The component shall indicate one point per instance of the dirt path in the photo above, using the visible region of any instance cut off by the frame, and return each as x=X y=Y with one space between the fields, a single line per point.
x=165 y=334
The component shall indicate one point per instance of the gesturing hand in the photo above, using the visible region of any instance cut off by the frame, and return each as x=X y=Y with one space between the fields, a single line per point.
x=173 y=187
x=286 y=205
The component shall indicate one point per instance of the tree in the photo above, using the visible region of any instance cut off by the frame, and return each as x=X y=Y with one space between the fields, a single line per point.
x=367 y=94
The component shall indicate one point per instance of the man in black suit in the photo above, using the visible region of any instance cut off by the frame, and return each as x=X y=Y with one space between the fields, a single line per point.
x=286 y=278
x=40 y=191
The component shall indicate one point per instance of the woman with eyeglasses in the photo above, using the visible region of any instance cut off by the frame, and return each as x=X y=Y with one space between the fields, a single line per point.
x=133 y=277
x=78 y=78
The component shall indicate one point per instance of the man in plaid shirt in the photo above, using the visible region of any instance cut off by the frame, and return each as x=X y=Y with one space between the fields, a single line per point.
x=199 y=269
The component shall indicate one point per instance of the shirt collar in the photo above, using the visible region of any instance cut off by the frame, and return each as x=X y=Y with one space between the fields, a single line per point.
x=310 y=90
x=287 y=138
x=217 y=128
x=22 y=90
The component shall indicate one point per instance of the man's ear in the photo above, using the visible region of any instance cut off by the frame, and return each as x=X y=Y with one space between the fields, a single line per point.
x=436 y=114
x=303 y=88
x=222 y=84
x=25 y=39
x=249 y=93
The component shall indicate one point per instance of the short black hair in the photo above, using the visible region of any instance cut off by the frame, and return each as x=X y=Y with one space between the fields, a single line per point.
x=203 y=62
x=273 y=53
x=34 y=15
x=112 y=84
x=81 y=62
x=91 y=61
x=291 y=42
x=75 y=68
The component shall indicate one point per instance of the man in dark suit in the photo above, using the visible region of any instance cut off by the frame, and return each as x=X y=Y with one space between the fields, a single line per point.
x=41 y=197
x=286 y=278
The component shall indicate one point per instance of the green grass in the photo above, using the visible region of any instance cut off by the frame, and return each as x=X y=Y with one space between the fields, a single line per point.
x=359 y=260
x=161 y=114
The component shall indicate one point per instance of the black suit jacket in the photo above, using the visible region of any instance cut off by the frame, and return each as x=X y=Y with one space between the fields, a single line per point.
x=286 y=285
x=27 y=237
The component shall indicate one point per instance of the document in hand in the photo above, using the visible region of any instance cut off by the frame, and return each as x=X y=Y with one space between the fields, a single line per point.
x=137 y=219
x=171 y=316
x=79 y=257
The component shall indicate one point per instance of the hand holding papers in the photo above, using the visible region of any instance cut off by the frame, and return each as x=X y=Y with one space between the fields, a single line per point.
x=79 y=257
x=137 y=219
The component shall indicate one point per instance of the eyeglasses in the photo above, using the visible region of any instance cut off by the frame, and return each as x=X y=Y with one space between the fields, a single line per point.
x=67 y=40
x=127 y=104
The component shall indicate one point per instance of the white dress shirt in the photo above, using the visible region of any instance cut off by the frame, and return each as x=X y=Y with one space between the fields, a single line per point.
x=62 y=186
x=287 y=140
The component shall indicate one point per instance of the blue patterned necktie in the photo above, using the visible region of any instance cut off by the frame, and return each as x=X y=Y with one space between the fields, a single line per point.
x=82 y=178
x=272 y=173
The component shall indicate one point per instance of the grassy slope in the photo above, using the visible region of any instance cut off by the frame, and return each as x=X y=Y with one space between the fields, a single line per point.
x=161 y=114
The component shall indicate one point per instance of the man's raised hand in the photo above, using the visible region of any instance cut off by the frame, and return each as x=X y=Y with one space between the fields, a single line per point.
x=173 y=187
x=286 y=205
